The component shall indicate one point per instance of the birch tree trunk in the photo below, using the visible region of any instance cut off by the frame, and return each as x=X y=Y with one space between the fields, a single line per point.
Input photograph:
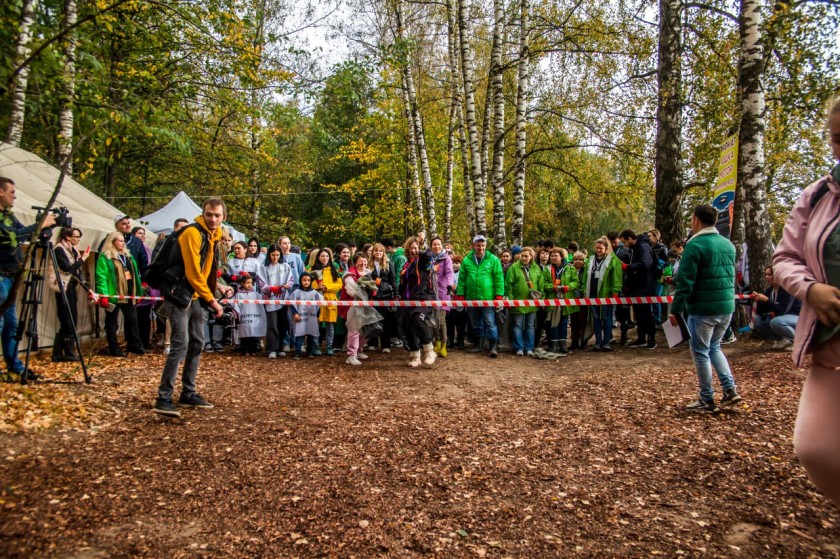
x=518 y=218
x=479 y=188
x=669 y=188
x=17 y=107
x=751 y=142
x=417 y=122
x=458 y=106
x=486 y=135
x=497 y=88
x=412 y=160
x=65 y=134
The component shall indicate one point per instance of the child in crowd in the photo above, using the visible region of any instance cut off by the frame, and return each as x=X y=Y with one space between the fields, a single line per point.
x=252 y=322
x=276 y=280
x=306 y=317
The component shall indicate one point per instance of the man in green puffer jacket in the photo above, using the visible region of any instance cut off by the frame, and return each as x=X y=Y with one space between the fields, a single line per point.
x=481 y=279
x=705 y=288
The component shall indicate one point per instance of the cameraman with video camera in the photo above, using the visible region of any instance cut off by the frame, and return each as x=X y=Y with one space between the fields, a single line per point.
x=12 y=235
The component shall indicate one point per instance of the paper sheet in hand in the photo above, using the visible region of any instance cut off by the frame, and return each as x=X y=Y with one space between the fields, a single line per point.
x=673 y=334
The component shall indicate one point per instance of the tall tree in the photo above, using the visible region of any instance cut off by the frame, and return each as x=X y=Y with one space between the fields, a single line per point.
x=479 y=187
x=751 y=141
x=17 y=110
x=669 y=186
x=65 y=133
x=522 y=88
x=497 y=89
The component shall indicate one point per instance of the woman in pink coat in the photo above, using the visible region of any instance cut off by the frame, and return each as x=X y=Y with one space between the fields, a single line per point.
x=807 y=264
x=444 y=277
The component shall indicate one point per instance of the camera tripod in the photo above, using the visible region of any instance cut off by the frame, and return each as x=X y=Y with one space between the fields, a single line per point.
x=32 y=299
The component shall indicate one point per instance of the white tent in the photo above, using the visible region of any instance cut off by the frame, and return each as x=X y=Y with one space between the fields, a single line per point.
x=181 y=206
x=35 y=181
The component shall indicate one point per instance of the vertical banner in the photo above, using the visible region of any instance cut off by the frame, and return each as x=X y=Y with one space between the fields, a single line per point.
x=724 y=201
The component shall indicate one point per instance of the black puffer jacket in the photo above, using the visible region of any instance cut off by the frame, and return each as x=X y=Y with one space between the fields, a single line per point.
x=638 y=277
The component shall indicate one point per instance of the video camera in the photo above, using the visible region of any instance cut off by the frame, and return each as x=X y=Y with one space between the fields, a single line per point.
x=229 y=318
x=62 y=219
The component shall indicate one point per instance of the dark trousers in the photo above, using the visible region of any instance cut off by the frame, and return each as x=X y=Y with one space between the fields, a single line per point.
x=456 y=326
x=541 y=325
x=144 y=324
x=579 y=320
x=277 y=324
x=132 y=334
x=68 y=314
x=389 y=329
x=645 y=326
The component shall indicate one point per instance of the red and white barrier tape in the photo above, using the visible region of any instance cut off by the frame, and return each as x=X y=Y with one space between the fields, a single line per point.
x=584 y=302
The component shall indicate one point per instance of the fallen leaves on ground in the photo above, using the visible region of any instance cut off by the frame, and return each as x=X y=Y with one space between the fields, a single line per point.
x=587 y=456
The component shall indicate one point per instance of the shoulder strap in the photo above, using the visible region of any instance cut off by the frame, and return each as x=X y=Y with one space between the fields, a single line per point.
x=821 y=191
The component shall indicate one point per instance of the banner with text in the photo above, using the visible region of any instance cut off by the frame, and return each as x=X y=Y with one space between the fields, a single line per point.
x=724 y=200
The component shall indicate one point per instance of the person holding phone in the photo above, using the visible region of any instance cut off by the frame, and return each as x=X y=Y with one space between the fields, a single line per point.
x=70 y=263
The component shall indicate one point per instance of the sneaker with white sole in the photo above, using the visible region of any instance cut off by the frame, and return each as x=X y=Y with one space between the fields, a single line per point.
x=702 y=407
x=730 y=397
x=519 y=353
x=272 y=355
x=361 y=356
x=784 y=343
x=351 y=360
x=386 y=350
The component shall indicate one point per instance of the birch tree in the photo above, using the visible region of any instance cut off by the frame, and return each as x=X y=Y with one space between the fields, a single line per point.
x=479 y=187
x=498 y=94
x=416 y=121
x=65 y=134
x=751 y=141
x=518 y=218
x=17 y=109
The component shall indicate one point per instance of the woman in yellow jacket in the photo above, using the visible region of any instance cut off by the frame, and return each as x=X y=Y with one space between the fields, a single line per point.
x=328 y=282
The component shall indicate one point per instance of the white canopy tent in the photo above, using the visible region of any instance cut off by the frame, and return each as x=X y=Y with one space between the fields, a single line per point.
x=181 y=206
x=35 y=180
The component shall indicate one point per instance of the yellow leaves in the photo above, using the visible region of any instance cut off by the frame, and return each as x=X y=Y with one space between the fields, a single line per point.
x=32 y=408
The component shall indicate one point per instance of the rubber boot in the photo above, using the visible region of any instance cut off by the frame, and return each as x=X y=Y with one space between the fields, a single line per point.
x=562 y=349
x=494 y=348
x=575 y=345
x=478 y=347
x=69 y=345
x=443 y=351
x=437 y=346
x=415 y=359
x=429 y=355
x=555 y=346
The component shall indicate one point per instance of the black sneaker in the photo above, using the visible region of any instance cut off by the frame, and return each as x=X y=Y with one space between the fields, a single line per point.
x=596 y=348
x=136 y=350
x=651 y=345
x=297 y=356
x=637 y=343
x=702 y=407
x=606 y=348
x=166 y=407
x=730 y=397
x=194 y=400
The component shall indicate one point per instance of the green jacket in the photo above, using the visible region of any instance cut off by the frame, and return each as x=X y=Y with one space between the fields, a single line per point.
x=482 y=281
x=398 y=260
x=517 y=288
x=705 y=284
x=611 y=276
x=106 y=277
x=569 y=277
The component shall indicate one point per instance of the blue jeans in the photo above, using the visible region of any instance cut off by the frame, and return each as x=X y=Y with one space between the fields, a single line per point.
x=523 y=331
x=8 y=324
x=484 y=323
x=561 y=331
x=602 y=323
x=783 y=327
x=706 y=333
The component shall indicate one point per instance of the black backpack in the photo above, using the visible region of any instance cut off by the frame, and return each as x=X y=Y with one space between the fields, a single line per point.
x=166 y=271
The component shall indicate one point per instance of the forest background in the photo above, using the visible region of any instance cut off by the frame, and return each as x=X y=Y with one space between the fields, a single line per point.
x=523 y=119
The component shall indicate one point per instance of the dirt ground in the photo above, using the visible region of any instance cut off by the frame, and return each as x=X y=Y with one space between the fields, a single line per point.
x=587 y=456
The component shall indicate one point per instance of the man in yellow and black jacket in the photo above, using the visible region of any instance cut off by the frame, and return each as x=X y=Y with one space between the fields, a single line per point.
x=192 y=289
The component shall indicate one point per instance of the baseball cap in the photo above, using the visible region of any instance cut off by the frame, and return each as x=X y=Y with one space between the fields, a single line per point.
x=120 y=217
x=515 y=249
x=478 y=238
